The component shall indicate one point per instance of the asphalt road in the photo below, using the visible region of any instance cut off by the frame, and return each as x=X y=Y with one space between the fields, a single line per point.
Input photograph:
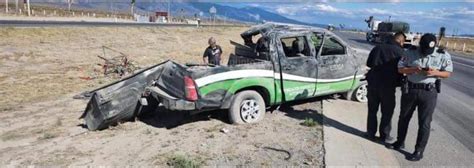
x=454 y=111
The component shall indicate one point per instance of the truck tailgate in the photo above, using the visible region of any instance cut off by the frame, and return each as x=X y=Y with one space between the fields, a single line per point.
x=172 y=80
x=119 y=101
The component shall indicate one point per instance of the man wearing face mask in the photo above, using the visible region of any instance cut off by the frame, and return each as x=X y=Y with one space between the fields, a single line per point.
x=423 y=66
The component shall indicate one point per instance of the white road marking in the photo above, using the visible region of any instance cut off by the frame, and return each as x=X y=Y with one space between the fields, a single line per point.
x=469 y=66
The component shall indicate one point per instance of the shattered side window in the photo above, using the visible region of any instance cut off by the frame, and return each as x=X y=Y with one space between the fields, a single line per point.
x=332 y=47
x=295 y=46
x=262 y=45
x=317 y=39
x=262 y=48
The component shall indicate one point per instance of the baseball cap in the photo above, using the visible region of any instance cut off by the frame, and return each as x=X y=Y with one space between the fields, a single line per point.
x=427 y=44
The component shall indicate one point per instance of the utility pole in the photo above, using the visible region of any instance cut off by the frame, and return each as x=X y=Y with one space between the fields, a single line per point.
x=455 y=32
x=169 y=11
x=28 y=6
x=132 y=5
x=16 y=6
x=69 y=3
x=6 y=6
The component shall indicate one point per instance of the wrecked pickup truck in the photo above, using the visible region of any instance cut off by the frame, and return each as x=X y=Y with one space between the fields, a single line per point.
x=286 y=63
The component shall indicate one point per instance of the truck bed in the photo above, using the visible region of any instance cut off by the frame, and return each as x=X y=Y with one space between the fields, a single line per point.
x=122 y=100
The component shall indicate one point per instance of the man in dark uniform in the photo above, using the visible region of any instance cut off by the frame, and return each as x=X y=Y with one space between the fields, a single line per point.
x=382 y=79
x=212 y=53
x=423 y=66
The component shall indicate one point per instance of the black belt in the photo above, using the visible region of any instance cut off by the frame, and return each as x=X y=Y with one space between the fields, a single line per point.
x=425 y=86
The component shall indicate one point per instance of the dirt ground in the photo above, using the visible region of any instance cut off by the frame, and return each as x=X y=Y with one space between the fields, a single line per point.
x=42 y=63
x=42 y=68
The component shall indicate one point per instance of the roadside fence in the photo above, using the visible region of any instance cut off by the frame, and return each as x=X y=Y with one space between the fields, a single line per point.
x=467 y=47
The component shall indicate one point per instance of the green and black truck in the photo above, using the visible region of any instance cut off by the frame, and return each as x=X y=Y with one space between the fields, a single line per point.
x=275 y=64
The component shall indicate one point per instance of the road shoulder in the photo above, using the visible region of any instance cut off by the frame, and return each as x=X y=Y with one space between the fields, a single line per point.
x=344 y=127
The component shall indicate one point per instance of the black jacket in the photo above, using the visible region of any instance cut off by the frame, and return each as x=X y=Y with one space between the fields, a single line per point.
x=383 y=61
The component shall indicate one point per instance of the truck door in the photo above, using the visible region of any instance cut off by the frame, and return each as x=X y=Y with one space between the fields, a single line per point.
x=298 y=67
x=335 y=73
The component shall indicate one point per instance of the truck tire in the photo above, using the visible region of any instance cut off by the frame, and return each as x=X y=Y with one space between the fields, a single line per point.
x=247 y=107
x=370 y=38
x=358 y=94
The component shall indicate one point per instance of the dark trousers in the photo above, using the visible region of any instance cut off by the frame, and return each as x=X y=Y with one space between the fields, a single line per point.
x=425 y=101
x=385 y=98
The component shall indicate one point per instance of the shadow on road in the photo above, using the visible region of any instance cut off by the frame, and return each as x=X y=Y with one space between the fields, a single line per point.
x=318 y=116
x=321 y=118
x=405 y=153
x=163 y=118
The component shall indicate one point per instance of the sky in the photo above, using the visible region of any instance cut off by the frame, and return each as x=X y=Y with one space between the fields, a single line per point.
x=423 y=16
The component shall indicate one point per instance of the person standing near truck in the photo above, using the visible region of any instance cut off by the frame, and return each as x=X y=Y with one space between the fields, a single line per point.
x=423 y=66
x=212 y=54
x=382 y=80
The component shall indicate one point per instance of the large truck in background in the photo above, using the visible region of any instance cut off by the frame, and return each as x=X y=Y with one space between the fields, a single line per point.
x=381 y=31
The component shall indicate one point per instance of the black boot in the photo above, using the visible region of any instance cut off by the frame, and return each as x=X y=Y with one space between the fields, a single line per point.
x=386 y=139
x=371 y=137
x=416 y=156
x=396 y=146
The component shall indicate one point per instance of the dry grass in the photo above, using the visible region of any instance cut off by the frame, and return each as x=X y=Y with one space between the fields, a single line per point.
x=43 y=63
x=47 y=135
x=12 y=135
x=457 y=44
x=45 y=10
x=43 y=133
x=309 y=122
x=181 y=161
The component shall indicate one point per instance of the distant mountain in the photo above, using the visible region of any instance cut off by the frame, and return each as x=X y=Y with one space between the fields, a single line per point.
x=466 y=35
x=245 y=14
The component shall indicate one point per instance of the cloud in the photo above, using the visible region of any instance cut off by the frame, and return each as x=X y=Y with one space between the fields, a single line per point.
x=377 y=11
x=256 y=16
x=310 y=8
x=286 y=10
x=254 y=5
x=459 y=16
x=326 y=8
x=430 y=20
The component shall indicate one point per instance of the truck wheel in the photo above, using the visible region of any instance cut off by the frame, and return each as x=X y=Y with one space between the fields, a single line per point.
x=370 y=38
x=247 y=107
x=358 y=94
